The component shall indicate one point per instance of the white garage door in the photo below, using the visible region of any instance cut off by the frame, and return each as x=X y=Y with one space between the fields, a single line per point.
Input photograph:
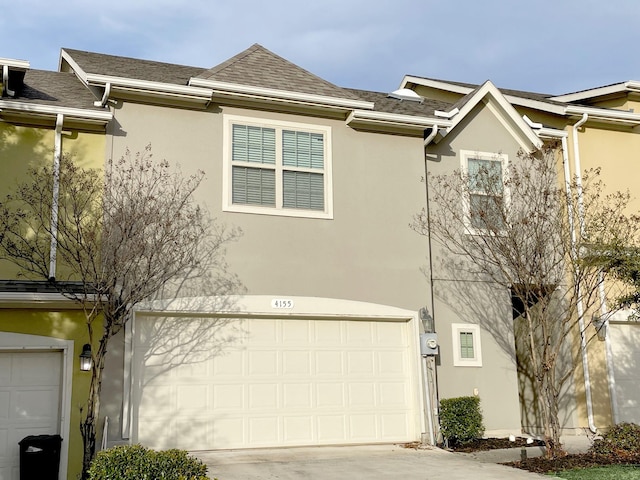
x=625 y=339
x=29 y=402
x=270 y=382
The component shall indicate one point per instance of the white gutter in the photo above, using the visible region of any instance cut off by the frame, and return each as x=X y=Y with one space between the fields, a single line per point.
x=396 y=119
x=580 y=305
x=5 y=81
x=272 y=93
x=605 y=315
x=79 y=113
x=105 y=96
x=619 y=116
x=432 y=135
x=57 y=152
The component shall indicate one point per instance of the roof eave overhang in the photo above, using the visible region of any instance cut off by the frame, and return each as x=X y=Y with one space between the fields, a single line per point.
x=602 y=115
x=227 y=90
x=147 y=88
x=408 y=123
x=618 y=88
x=15 y=64
x=36 y=300
x=93 y=117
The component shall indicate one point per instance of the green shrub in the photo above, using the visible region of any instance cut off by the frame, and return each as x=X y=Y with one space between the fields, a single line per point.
x=460 y=419
x=135 y=462
x=621 y=439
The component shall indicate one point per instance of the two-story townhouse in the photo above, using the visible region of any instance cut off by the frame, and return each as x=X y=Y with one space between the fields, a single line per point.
x=597 y=128
x=43 y=115
x=324 y=181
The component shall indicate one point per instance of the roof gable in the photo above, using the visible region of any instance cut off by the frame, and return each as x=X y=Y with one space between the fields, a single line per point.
x=259 y=67
x=502 y=109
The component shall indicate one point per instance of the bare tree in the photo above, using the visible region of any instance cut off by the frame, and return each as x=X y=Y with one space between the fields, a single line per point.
x=114 y=239
x=517 y=226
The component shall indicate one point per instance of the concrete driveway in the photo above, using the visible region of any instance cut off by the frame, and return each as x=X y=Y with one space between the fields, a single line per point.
x=370 y=462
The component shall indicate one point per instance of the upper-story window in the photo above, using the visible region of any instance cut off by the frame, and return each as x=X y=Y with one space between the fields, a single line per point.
x=487 y=196
x=277 y=168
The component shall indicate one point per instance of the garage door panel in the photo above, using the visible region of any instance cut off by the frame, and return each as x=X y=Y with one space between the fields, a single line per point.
x=297 y=395
x=362 y=426
x=229 y=363
x=285 y=382
x=330 y=395
x=331 y=428
x=329 y=363
x=263 y=431
x=29 y=401
x=263 y=363
x=298 y=429
x=394 y=426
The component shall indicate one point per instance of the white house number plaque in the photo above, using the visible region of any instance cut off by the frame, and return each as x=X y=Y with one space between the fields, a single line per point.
x=282 y=303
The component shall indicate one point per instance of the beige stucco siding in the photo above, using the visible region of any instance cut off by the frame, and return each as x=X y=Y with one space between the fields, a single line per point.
x=460 y=299
x=363 y=253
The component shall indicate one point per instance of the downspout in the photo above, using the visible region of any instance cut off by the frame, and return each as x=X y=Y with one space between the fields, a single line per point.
x=427 y=364
x=105 y=96
x=5 y=82
x=57 y=152
x=605 y=314
x=580 y=305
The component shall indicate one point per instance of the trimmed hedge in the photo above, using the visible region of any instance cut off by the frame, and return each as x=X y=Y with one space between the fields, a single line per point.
x=135 y=462
x=460 y=419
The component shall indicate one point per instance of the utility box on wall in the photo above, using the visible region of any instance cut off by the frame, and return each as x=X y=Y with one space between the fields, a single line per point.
x=428 y=344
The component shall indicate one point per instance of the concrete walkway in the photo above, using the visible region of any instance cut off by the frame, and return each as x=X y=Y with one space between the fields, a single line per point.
x=370 y=462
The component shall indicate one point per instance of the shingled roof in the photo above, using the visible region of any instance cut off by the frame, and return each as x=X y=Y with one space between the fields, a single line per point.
x=384 y=103
x=58 y=89
x=259 y=67
x=541 y=97
x=133 y=68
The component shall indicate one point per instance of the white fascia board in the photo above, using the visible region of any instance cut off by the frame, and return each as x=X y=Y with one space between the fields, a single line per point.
x=449 y=87
x=546 y=132
x=489 y=89
x=283 y=95
x=630 y=86
x=396 y=119
x=76 y=113
x=145 y=85
x=36 y=300
x=160 y=88
x=605 y=114
x=13 y=63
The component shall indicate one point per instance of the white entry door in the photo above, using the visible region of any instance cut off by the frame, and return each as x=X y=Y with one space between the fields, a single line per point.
x=255 y=382
x=29 y=402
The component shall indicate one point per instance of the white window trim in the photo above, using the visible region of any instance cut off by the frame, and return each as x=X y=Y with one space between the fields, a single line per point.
x=456 y=330
x=278 y=210
x=465 y=155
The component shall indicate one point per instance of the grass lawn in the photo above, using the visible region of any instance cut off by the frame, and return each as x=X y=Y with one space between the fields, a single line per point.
x=613 y=472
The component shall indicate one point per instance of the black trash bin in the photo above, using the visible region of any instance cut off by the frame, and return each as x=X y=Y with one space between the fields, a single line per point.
x=40 y=457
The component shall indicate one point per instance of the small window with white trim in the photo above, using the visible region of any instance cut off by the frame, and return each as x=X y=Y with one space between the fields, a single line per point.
x=277 y=168
x=487 y=198
x=467 y=351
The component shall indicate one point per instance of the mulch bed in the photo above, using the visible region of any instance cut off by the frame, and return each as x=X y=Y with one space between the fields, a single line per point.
x=545 y=465
x=570 y=462
x=484 y=444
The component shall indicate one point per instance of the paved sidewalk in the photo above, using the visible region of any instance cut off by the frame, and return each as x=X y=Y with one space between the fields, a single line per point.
x=371 y=462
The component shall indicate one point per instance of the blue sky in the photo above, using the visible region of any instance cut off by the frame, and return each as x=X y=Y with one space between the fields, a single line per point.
x=547 y=46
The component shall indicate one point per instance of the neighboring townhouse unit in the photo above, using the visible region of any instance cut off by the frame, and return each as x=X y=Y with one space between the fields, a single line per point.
x=43 y=115
x=597 y=128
